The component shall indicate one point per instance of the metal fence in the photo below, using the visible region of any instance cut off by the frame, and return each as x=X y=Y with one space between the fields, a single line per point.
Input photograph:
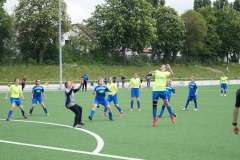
x=55 y=85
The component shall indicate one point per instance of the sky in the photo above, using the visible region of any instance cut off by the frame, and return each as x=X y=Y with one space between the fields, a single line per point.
x=82 y=9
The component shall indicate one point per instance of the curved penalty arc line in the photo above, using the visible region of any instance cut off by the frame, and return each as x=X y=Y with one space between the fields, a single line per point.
x=97 y=137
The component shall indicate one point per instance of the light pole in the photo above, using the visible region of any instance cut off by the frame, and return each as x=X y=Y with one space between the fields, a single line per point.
x=60 y=44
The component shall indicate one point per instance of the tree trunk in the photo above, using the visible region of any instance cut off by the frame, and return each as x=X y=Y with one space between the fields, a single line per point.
x=124 y=55
x=40 y=56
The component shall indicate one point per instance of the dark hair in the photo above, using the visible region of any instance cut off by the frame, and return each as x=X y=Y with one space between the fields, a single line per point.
x=66 y=84
x=15 y=79
x=37 y=80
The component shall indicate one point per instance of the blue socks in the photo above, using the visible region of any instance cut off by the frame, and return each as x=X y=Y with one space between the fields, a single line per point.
x=154 y=112
x=105 y=109
x=161 y=112
x=221 y=91
x=110 y=115
x=169 y=108
x=186 y=104
x=10 y=113
x=23 y=112
x=30 y=111
x=92 y=113
x=132 y=104
x=138 y=104
x=196 y=106
x=225 y=92
x=45 y=110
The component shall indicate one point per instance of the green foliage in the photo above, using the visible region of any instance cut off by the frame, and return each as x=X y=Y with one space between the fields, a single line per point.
x=236 y=5
x=196 y=30
x=228 y=30
x=220 y=4
x=37 y=24
x=170 y=33
x=156 y=3
x=122 y=25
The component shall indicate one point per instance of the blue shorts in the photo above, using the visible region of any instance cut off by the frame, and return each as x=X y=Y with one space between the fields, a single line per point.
x=16 y=101
x=224 y=85
x=159 y=94
x=39 y=99
x=104 y=102
x=114 y=99
x=135 y=92
x=190 y=98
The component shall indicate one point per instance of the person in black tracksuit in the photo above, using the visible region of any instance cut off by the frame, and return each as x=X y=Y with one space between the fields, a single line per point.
x=70 y=104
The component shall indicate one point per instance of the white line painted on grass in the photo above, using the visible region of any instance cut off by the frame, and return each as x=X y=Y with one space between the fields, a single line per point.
x=68 y=150
x=97 y=137
x=94 y=153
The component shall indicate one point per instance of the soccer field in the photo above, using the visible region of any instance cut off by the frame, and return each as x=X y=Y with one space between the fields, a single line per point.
x=203 y=134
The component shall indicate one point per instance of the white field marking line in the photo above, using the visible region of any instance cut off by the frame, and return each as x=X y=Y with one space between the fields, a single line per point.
x=97 y=137
x=62 y=149
x=68 y=150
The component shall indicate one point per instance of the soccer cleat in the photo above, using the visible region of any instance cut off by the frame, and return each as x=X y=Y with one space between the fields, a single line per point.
x=89 y=117
x=139 y=109
x=121 y=114
x=154 y=122
x=29 y=114
x=47 y=114
x=8 y=118
x=111 y=119
x=25 y=116
x=81 y=123
x=159 y=116
x=173 y=119
x=184 y=109
x=195 y=109
x=225 y=95
x=76 y=126
x=131 y=109
x=174 y=115
x=104 y=115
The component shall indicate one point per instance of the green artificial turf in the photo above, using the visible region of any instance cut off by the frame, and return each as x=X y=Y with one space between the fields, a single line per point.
x=204 y=134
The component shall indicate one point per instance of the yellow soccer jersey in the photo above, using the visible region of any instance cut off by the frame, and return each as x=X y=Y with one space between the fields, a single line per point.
x=15 y=91
x=160 y=80
x=224 y=80
x=135 y=83
x=112 y=87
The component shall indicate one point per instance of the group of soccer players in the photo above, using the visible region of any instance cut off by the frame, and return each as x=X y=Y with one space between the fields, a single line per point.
x=161 y=89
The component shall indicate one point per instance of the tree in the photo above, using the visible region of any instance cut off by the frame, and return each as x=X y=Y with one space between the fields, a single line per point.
x=220 y=4
x=236 y=5
x=170 y=32
x=207 y=3
x=228 y=26
x=196 y=30
x=6 y=31
x=197 y=4
x=37 y=24
x=156 y=3
x=123 y=25
x=211 y=42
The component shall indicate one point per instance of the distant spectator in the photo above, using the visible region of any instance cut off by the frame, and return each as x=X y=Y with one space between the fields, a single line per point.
x=118 y=81
x=23 y=82
x=84 y=81
x=114 y=79
x=123 y=81
x=148 y=78
x=105 y=80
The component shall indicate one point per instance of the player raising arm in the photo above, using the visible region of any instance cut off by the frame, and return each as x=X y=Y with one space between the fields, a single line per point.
x=70 y=103
x=37 y=93
x=112 y=96
x=16 y=91
x=100 y=91
x=235 y=113
x=159 y=90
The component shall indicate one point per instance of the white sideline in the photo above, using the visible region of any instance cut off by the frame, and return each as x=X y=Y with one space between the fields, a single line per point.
x=95 y=152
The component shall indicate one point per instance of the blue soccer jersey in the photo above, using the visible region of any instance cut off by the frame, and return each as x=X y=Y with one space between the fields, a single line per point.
x=85 y=78
x=100 y=91
x=37 y=92
x=170 y=90
x=192 y=88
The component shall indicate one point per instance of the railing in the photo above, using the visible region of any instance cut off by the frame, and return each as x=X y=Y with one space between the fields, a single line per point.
x=55 y=85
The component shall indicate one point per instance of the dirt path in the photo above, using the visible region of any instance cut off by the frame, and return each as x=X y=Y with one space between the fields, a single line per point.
x=211 y=69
